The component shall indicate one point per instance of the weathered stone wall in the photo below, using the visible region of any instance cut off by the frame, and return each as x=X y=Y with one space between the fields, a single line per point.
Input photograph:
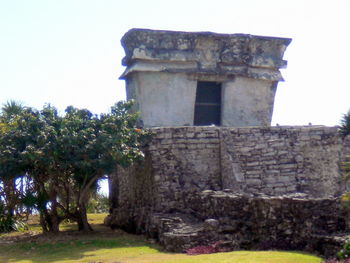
x=243 y=221
x=273 y=160
x=284 y=160
x=153 y=91
x=183 y=163
x=168 y=99
x=247 y=102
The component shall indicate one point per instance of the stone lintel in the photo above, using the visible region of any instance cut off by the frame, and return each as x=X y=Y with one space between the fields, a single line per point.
x=258 y=57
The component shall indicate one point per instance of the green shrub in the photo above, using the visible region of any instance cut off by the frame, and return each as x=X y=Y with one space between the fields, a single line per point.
x=345 y=168
x=345 y=124
x=98 y=204
x=10 y=223
x=344 y=253
x=6 y=221
x=6 y=224
x=19 y=225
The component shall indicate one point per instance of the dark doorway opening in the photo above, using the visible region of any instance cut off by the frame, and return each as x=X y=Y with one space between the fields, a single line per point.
x=208 y=103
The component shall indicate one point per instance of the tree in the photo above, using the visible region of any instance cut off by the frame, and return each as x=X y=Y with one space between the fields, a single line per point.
x=65 y=156
x=43 y=162
x=26 y=146
x=93 y=146
x=11 y=171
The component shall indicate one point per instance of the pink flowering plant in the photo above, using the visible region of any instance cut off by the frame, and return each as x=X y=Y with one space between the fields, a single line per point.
x=212 y=248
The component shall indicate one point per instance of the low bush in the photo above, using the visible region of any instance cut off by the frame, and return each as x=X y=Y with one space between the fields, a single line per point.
x=10 y=223
x=6 y=223
x=99 y=203
x=344 y=253
x=345 y=168
x=345 y=124
x=343 y=256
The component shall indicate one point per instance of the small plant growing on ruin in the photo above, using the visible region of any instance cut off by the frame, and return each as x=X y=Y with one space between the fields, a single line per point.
x=345 y=167
x=344 y=253
x=345 y=199
x=345 y=124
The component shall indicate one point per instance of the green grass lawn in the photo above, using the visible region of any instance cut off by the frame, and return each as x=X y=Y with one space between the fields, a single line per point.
x=108 y=246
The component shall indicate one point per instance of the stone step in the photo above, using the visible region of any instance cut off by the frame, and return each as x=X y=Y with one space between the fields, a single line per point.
x=252 y=222
x=179 y=232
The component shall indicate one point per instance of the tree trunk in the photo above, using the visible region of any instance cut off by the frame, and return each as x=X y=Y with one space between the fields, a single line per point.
x=54 y=218
x=82 y=201
x=43 y=223
x=49 y=222
x=83 y=224
x=28 y=186
x=54 y=225
x=21 y=191
x=9 y=195
x=113 y=188
x=49 y=218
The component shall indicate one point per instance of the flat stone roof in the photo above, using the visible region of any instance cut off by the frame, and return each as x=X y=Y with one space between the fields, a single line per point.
x=258 y=57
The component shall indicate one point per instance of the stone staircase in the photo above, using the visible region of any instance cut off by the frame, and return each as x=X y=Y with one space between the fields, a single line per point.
x=253 y=222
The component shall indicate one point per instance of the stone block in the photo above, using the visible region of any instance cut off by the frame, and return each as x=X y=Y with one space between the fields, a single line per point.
x=253 y=164
x=253 y=181
x=253 y=172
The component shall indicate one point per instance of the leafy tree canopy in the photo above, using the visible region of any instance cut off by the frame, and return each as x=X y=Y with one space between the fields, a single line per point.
x=64 y=156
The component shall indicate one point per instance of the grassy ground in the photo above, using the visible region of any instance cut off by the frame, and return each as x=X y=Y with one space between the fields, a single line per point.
x=114 y=246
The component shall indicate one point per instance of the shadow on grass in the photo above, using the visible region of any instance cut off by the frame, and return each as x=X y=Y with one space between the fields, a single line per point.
x=84 y=248
x=70 y=245
x=128 y=248
x=106 y=245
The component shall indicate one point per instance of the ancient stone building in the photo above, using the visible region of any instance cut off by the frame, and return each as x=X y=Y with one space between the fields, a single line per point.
x=247 y=187
x=259 y=188
x=185 y=79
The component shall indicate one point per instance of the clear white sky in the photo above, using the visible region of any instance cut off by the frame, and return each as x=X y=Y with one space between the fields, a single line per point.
x=68 y=52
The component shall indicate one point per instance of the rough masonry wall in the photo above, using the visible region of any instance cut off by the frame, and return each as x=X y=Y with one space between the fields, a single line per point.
x=275 y=161
x=284 y=160
x=178 y=162
x=250 y=187
x=246 y=221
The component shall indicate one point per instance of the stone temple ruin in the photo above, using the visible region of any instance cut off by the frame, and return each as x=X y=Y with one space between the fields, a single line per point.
x=238 y=181
x=185 y=79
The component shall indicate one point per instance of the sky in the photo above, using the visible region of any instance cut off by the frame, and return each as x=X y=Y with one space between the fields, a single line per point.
x=68 y=52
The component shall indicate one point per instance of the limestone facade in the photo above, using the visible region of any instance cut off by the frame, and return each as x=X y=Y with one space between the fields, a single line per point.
x=165 y=70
